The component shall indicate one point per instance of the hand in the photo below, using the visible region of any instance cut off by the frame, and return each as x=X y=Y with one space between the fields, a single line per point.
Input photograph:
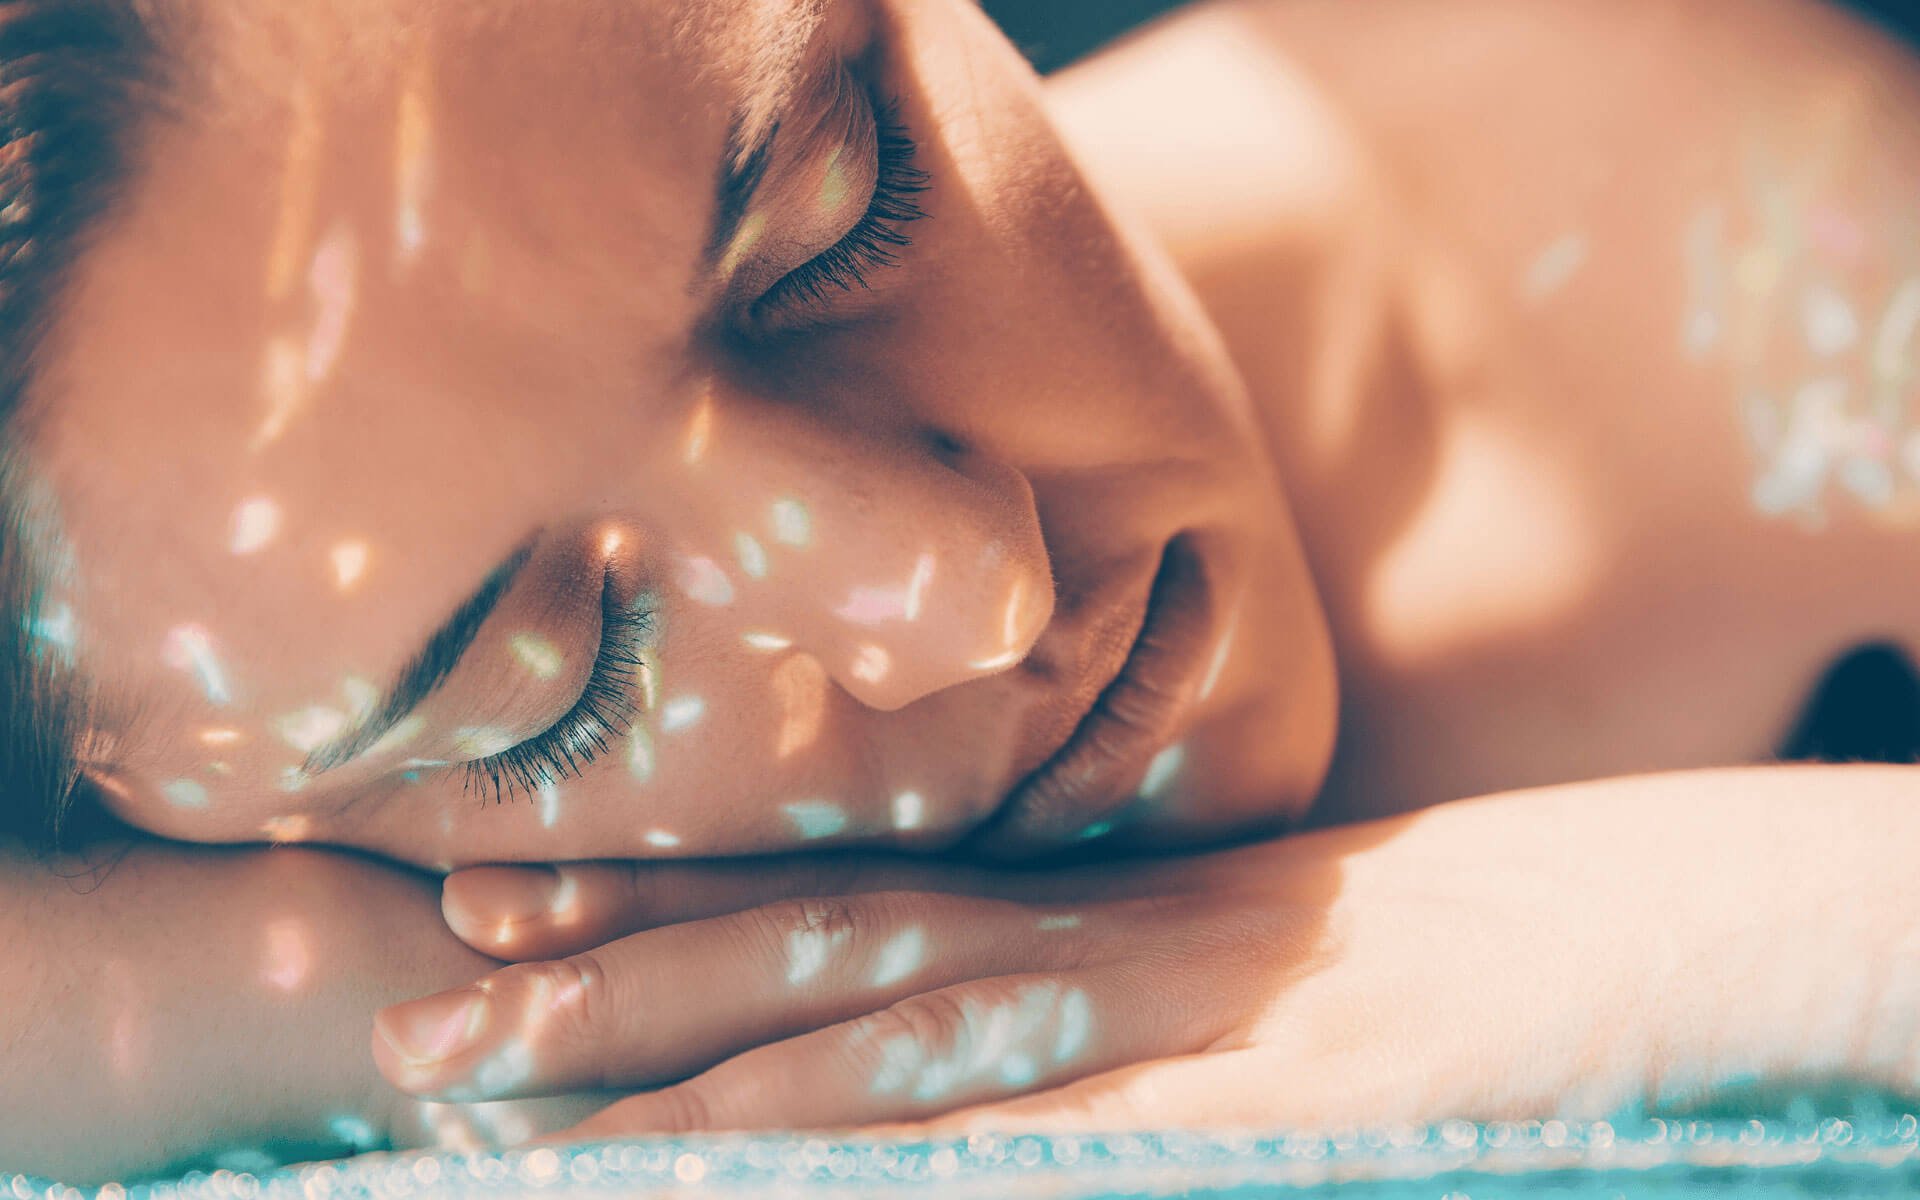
x=1529 y=954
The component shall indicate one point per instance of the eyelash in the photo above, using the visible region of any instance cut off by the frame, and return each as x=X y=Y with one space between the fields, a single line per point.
x=603 y=714
x=871 y=244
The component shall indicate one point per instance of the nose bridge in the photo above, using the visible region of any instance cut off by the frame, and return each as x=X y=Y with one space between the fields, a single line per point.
x=904 y=565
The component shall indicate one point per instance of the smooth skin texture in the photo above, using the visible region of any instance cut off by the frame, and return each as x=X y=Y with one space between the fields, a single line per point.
x=1482 y=658
x=1545 y=609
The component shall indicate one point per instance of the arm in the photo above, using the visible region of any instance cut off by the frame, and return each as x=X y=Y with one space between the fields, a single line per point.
x=1576 y=951
x=1547 y=309
x=189 y=999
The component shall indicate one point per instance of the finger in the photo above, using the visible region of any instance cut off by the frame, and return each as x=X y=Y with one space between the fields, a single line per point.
x=927 y=1054
x=521 y=913
x=662 y=1004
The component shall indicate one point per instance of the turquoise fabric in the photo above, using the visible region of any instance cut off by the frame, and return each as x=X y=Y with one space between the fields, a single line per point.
x=1804 y=1155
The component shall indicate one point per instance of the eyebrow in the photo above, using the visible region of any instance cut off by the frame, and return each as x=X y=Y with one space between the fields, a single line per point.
x=426 y=670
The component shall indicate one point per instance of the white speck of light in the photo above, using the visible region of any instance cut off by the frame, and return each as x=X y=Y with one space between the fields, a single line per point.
x=870 y=606
x=1076 y=1022
x=807 y=952
x=909 y=809
x=703 y=580
x=333 y=280
x=255 y=524
x=682 y=712
x=1828 y=321
x=1098 y=829
x=190 y=648
x=538 y=655
x=791 y=524
x=1161 y=771
x=639 y=755
x=362 y=696
x=1218 y=665
x=397 y=737
x=872 y=664
x=311 y=728
x=917 y=586
x=1554 y=266
x=761 y=640
x=57 y=628
x=1058 y=921
x=1018 y=1070
x=752 y=555
x=480 y=741
x=349 y=564
x=661 y=839
x=815 y=818
x=288 y=956
x=549 y=798
x=900 y=957
x=354 y=1131
x=185 y=793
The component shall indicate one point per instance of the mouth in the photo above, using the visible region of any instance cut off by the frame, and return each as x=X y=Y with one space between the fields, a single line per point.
x=1075 y=792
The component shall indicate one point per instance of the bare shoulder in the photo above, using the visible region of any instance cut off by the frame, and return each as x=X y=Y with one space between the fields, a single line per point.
x=1588 y=337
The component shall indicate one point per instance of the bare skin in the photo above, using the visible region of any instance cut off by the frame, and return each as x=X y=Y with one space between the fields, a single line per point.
x=1494 y=530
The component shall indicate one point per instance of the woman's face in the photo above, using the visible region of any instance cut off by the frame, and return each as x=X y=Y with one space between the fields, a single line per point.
x=518 y=401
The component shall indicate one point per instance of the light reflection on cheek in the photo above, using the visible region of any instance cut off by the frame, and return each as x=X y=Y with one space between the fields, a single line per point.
x=190 y=648
x=800 y=692
x=289 y=958
x=256 y=523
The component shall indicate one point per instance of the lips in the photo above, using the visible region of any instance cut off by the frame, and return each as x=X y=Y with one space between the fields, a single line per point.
x=1143 y=709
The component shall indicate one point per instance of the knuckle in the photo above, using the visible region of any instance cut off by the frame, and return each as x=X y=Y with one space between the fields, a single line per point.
x=564 y=1004
x=932 y=1020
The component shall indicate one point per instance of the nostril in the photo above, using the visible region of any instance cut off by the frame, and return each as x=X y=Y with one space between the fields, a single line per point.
x=946 y=446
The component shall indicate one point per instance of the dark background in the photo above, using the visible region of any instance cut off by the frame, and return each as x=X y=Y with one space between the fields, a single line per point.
x=1055 y=32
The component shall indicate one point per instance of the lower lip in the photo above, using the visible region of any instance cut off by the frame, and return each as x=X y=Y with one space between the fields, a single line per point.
x=1137 y=715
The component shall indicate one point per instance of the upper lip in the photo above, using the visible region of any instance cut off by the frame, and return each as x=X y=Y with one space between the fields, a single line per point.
x=1139 y=706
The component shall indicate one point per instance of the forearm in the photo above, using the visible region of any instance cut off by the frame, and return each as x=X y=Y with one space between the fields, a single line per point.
x=185 y=998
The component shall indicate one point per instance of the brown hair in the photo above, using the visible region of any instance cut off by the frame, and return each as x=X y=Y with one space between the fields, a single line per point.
x=73 y=78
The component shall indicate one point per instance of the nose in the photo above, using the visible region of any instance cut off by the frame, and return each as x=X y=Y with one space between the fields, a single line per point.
x=905 y=564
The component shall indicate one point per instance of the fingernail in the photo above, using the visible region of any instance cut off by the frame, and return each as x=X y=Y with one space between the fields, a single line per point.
x=488 y=896
x=429 y=1031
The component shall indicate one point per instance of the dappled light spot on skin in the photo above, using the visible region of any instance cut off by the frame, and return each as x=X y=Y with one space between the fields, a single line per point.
x=56 y=629
x=354 y=1132
x=917 y=586
x=871 y=664
x=481 y=741
x=363 y=697
x=540 y=657
x=221 y=736
x=610 y=542
x=412 y=149
x=1096 y=831
x=1162 y=771
x=1706 y=294
x=870 y=606
x=704 y=582
x=995 y=662
x=311 y=728
x=800 y=690
x=296 y=827
x=293 y=780
x=1217 y=665
x=752 y=555
x=1827 y=321
x=289 y=957
x=699 y=436
x=349 y=560
x=1554 y=267
x=1003 y=1043
x=256 y=523
x=909 y=811
x=190 y=648
x=660 y=839
x=639 y=754
x=808 y=951
x=398 y=737
x=547 y=797
x=904 y=954
x=185 y=793
x=760 y=640
x=682 y=713
x=792 y=526
x=815 y=819
x=1056 y=922
x=334 y=283
x=283 y=385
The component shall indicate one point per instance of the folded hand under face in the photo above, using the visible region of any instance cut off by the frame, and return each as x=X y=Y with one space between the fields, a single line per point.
x=1413 y=969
